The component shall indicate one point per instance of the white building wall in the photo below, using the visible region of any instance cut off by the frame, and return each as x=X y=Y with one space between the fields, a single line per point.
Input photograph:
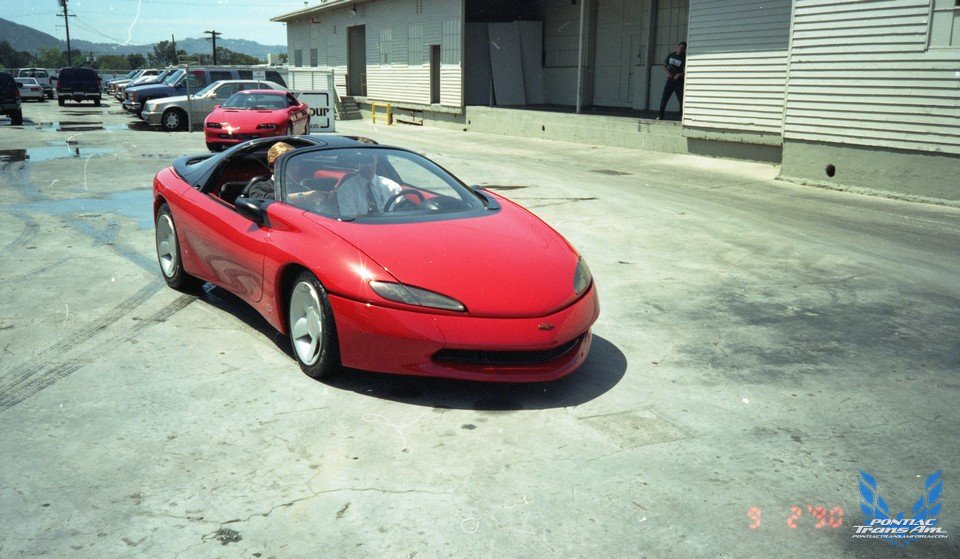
x=737 y=65
x=399 y=81
x=871 y=74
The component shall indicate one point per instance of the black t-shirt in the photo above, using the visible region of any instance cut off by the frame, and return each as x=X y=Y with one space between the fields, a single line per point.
x=675 y=63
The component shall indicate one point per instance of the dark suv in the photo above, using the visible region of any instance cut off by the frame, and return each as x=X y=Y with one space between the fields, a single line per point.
x=78 y=84
x=10 y=98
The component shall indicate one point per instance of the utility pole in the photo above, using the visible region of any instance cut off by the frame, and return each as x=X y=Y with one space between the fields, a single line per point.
x=213 y=37
x=66 y=22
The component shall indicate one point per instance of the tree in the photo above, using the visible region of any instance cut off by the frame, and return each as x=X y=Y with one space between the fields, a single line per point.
x=112 y=62
x=135 y=61
x=165 y=53
x=51 y=57
x=11 y=58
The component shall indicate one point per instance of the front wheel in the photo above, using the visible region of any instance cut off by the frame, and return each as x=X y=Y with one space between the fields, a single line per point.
x=313 y=333
x=168 y=252
x=60 y=102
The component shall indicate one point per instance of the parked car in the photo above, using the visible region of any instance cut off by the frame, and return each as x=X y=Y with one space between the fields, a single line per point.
x=10 y=98
x=172 y=112
x=434 y=278
x=143 y=80
x=142 y=77
x=137 y=74
x=42 y=76
x=177 y=83
x=255 y=113
x=110 y=85
x=78 y=84
x=30 y=88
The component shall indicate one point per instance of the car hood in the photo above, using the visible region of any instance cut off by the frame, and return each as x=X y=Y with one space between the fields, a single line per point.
x=506 y=263
x=175 y=99
x=248 y=117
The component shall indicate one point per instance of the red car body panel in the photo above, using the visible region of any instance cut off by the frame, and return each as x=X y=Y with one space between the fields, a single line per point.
x=512 y=271
x=240 y=125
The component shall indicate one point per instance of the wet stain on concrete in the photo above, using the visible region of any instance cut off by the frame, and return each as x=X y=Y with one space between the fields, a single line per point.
x=133 y=204
x=609 y=172
x=227 y=536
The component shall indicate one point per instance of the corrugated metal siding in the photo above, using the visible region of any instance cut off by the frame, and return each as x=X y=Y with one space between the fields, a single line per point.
x=737 y=65
x=860 y=73
x=397 y=82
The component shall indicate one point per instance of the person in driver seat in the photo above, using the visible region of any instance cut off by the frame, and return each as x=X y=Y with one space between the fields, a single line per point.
x=366 y=192
x=264 y=188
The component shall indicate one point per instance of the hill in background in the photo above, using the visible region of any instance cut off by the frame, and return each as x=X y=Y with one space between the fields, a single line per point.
x=25 y=38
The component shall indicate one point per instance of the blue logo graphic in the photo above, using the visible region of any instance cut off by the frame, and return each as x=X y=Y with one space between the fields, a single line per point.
x=881 y=523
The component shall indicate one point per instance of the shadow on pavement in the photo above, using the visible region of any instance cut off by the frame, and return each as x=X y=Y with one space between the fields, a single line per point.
x=603 y=369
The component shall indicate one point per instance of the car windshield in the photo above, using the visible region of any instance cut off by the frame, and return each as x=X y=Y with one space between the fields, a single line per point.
x=371 y=185
x=172 y=78
x=244 y=100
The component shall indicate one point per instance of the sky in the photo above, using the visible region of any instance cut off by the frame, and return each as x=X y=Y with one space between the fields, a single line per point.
x=151 y=21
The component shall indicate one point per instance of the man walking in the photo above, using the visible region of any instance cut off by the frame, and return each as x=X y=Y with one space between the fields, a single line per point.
x=675 y=67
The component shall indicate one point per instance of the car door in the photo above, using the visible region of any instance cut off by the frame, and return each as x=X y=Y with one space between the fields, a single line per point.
x=298 y=115
x=228 y=248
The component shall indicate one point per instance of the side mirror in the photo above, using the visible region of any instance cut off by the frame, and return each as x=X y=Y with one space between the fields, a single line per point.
x=254 y=209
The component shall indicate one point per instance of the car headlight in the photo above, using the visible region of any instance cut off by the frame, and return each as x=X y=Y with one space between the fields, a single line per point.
x=149 y=107
x=132 y=95
x=400 y=293
x=582 y=278
x=267 y=126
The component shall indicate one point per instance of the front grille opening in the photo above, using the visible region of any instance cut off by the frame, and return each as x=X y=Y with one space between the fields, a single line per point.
x=503 y=358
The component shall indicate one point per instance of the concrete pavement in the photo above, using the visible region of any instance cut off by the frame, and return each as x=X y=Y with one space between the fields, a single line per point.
x=759 y=343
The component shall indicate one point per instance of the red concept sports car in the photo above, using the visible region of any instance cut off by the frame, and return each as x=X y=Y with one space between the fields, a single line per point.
x=375 y=258
x=255 y=113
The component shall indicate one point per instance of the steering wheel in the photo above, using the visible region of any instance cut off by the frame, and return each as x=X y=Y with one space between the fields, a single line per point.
x=396 y=198
x=246 y=189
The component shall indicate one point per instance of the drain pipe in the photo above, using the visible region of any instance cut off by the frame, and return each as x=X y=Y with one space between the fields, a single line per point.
x=583 y=4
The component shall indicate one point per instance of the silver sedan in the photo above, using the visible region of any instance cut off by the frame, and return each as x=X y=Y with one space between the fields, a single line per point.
x=171 y=112
x=30 y=88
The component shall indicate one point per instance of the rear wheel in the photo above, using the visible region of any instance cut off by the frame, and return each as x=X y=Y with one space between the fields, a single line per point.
x=313 y=333
x=60 y=102
x=168 y=252
x=16 y=117
x=96 y=102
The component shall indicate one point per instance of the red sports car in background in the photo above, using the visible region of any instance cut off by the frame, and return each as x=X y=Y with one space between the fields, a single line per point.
x=255 y=113
x=375 y=258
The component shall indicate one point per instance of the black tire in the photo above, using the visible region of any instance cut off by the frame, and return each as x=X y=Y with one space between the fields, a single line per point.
x=60 y=102
x=168 y=255
x=173 y=120
x=49 y=94
x=16 y=117
x=324 y=360
x=96 y=102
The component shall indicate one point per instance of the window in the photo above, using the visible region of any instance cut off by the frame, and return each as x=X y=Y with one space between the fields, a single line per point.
x=298 y=57
x=331 y=50
x=450 y=42
x=415 y=45
x=314 y=59
x=217 y=75
x=386 y=42
x=945 y=24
